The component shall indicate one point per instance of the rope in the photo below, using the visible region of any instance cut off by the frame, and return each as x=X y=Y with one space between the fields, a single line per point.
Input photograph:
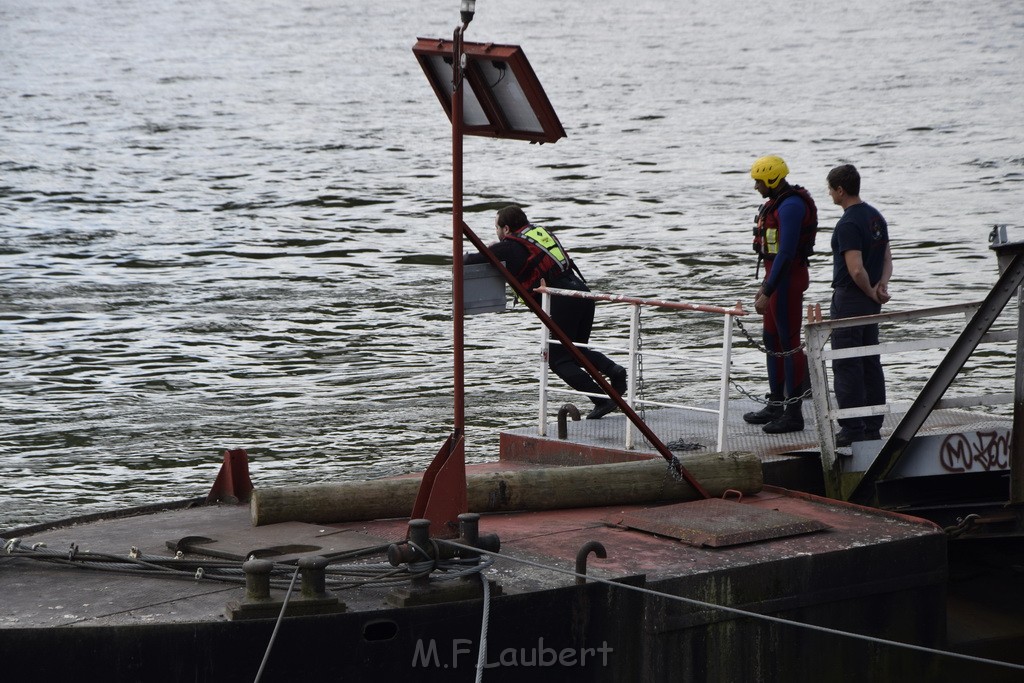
x=482 y=656
x=684 y=445
x=754 y=615
x=338 y=577
x=277 y=625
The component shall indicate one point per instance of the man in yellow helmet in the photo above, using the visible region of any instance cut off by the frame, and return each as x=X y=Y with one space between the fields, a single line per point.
x=532 y=254
x=784 y=233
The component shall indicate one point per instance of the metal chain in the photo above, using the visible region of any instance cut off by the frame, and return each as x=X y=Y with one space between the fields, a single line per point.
x=759 y=346
x=675 y=468
x=776 y=354
x=769 y=402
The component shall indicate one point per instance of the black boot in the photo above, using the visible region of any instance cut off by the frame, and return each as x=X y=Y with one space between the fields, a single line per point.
x=602 y=408
x=766 y=414
x=792 y=420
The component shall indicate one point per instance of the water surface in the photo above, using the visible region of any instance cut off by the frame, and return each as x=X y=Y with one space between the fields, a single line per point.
x=228 y=224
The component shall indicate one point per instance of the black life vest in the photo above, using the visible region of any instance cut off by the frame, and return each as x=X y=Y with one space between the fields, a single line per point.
x=766 y=225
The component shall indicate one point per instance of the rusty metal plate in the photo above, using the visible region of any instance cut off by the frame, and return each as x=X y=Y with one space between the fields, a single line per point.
x=716 y=523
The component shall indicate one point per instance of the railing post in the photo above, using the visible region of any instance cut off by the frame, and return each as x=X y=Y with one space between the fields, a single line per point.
x=545 y=350
x=816 y=334
x=723 y=396
x=634 y=365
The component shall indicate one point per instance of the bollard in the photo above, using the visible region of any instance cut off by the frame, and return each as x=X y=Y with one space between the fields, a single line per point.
x=257 y=579
x=314 y=576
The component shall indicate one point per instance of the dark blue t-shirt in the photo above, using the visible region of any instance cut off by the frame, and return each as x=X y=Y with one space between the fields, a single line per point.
x=861 y=228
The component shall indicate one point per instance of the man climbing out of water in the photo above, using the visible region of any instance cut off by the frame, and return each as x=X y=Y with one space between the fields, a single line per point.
x=786 y=225
x=861 y=268
x=531 y=254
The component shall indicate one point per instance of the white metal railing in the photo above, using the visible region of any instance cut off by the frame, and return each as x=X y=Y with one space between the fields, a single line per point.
x=817 y=332
x=634 y=354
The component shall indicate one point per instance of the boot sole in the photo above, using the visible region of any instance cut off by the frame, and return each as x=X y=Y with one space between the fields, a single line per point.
x=758 y=420
x=600 y=411
x=785 y=430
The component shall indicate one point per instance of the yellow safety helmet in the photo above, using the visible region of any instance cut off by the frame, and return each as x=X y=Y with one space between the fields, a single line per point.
x=771 y=169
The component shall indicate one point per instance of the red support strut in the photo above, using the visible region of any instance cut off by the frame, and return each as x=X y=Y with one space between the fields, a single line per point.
x=232 y=484
x=442 y=495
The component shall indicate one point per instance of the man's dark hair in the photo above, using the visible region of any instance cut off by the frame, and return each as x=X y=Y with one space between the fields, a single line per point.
x=512 y=216
x=846 y=177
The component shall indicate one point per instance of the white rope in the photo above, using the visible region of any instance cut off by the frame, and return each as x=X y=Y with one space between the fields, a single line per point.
x=482 y=657
x=277 y=625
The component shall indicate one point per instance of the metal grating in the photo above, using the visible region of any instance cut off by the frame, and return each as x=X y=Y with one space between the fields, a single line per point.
x=717 y=523
x=672 y=424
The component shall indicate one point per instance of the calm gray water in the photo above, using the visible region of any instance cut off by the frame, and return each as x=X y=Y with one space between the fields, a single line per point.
x=227 y=224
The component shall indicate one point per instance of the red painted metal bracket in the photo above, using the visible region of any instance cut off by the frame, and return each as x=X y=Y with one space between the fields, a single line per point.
x=232 y=484
x=442 y=494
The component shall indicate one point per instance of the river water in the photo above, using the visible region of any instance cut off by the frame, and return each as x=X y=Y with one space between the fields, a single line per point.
x=227 y=224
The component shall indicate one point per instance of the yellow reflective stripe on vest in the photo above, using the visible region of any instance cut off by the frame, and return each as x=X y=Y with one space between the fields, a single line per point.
x=543 y=239
x=771 y=241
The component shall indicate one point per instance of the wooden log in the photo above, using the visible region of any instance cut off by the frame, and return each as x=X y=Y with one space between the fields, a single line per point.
x=542 y=488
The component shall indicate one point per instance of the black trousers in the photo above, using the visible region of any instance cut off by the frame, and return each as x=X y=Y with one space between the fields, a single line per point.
x=576 y=318
x=857 y=381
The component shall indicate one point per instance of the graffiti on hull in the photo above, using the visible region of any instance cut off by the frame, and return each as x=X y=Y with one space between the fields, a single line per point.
x=975 y=452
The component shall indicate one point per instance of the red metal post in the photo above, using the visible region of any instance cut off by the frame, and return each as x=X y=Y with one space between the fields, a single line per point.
x=457 y=286
x=442 y=494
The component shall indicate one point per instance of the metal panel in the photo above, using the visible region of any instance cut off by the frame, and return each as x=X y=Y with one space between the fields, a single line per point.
x=484 y=289
x=716 y=523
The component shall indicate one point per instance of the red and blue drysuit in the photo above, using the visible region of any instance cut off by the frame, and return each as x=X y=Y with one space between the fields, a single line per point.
x=784 y=237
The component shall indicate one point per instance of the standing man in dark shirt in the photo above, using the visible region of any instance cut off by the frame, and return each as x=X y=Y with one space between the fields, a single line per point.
x=533 y=254
x=861 y=268
x=786 y=225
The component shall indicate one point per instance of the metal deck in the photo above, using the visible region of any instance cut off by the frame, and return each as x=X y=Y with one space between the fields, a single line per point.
x=790 y=460
x=57 y=595
x=849 y=568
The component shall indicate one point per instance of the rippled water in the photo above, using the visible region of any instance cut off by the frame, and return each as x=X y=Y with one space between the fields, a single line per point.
x=228 y=224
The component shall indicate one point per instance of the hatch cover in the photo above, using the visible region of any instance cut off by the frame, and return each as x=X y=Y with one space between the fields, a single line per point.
x=716 y=523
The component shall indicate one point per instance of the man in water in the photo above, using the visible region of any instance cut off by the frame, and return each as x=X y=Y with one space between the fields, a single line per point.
x=786 y=225
x=861 y=268
x=531 y=254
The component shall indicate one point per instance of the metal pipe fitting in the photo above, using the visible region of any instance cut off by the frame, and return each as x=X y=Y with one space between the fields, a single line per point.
x=581 y=558
x=563 y=427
